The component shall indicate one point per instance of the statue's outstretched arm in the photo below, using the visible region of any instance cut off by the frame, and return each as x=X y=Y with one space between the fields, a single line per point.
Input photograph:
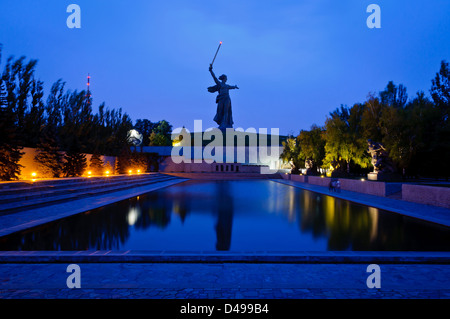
x=213 y=75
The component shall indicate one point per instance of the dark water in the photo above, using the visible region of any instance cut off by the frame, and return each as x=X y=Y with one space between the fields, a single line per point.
x=234 y=216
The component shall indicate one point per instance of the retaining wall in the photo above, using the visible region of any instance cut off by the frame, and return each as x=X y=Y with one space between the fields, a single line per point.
x=430 y=195
x=354 y=185
x=30 y=166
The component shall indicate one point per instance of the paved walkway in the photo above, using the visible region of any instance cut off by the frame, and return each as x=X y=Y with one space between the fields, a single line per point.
x=430 y=213
x=228 y=281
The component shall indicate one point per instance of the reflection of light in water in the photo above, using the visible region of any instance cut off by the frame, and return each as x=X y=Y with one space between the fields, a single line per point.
x=291 y=204
x=373 y=215
x=132 y=216
x=330 y=210
x=273 y=201
x=280 y=202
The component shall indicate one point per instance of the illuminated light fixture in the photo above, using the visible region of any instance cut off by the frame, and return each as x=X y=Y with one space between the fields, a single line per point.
x=139 y=171
x=321 y=176
x=362 y=179
x=107 y=172
x=130 y=171
x=34 y=174
x=89 y=173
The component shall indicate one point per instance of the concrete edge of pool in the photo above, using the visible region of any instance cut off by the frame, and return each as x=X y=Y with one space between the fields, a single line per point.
x=130 y=256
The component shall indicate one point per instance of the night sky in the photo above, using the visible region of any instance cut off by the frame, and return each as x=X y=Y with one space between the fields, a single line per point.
x=294 y=61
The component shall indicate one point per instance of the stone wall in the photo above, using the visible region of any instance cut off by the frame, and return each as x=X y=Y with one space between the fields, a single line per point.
x=320 y=181
x=296 y=178
x=430 y=195
x=30 y=166
x=354 y=185
x=366 y=187
x=168 y=166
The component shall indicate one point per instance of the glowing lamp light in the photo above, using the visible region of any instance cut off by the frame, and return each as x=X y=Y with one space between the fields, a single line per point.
x=34 y=174
x=130 y=171
x=362 y=179
x=138 y=170
x=89 y=173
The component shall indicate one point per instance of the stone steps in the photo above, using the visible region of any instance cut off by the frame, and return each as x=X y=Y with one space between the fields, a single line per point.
x=83 y=190
x=40 y=191
x=11 y=188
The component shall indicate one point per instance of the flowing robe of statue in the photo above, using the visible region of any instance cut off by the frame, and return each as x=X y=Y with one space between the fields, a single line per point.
x=224 y=115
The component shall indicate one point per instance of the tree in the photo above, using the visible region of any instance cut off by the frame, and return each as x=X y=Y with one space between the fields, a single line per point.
x=312 y=146
x=96 y=164
x=159 y=139
x=394 y=96
x=145 y=127
x=161 y=134
x=124 y=160
x=440 y=89
x=291 y=154
x=370 y=119
x=75 y=163
x=10 y=151
x=34 y=121
x=139 y=161
x=440 y=92
x=398 y=135
x=25 y=80
x=54 y=105
x=10 y=146
x=344 y=139
x=48 y=157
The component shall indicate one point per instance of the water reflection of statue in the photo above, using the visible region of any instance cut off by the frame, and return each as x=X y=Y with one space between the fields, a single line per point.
x=224 y=116
x=224 y=216
x=380 y=158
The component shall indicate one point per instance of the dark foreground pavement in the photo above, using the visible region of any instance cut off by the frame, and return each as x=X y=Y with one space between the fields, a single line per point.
x=224 y=281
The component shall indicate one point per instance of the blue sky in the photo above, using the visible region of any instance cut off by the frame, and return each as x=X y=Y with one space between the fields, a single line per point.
x=294 y=61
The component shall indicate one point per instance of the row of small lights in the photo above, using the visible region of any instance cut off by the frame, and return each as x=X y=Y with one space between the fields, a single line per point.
x=322 y=176
x=89 y=173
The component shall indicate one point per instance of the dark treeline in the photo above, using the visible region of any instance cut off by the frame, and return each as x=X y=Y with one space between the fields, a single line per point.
x=415 y=132
x=63 y=122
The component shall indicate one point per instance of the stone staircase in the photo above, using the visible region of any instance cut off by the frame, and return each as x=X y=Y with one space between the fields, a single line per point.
x=19 y=196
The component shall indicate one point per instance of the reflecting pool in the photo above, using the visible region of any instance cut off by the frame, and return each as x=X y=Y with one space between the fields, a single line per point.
x=258 y=215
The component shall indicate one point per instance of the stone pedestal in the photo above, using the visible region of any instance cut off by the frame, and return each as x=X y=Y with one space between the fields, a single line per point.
x=379 y=176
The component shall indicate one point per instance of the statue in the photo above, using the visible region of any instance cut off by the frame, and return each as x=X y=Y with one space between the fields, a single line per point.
x=380 y=159
x=134 y=137
x=224 y=116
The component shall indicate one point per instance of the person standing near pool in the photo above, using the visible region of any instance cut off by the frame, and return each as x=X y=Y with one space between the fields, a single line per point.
x=224 y=116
